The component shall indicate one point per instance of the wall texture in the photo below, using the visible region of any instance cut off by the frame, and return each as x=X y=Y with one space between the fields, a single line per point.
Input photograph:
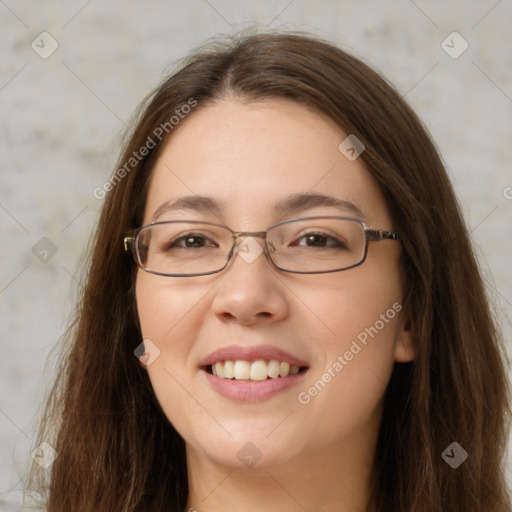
x=72 y=73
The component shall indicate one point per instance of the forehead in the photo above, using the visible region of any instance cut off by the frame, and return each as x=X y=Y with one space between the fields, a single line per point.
x=249 y=157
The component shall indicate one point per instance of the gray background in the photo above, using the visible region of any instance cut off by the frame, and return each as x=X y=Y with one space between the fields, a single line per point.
x=61 y=117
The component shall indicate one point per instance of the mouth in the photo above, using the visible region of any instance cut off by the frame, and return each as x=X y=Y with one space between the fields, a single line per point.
x=253 y=371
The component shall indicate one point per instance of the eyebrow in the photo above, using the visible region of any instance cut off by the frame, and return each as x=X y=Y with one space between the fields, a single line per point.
x=290 y=205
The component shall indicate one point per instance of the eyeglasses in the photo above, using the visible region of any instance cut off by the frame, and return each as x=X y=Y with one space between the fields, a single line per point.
x=310 y=245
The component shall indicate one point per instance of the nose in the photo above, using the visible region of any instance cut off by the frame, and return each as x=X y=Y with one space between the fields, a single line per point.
x=250 y=290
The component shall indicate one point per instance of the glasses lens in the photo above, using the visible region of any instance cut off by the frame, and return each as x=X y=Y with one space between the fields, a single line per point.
x=317 y=245
x=183 y=247
x=314 y=245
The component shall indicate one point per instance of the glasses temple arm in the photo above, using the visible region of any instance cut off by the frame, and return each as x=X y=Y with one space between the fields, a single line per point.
x=128 y=241
x=379 y=234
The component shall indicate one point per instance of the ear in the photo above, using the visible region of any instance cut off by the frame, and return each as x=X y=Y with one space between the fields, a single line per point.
x=404 y=349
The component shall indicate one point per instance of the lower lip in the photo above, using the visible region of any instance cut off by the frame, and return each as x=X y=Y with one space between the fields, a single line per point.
x=251 y=391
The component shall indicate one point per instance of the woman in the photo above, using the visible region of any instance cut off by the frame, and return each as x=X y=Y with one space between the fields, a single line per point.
x=301 y=324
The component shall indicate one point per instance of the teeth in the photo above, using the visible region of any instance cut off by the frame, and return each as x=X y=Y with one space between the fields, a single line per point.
x=229 y=369
x=284 y=369
x=273 y=369
x=242 y=369
x=258 y=370
x=219 y=370
x=255 y=370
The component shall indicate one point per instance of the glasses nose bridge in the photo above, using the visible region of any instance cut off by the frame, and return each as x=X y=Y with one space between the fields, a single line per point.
x=243 y=234
x=238 y=235
x=254 y=234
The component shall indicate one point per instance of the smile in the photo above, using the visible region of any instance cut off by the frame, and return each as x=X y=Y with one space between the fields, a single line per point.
x=253 y=370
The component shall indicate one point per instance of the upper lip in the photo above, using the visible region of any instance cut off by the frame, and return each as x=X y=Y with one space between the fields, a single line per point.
x=248 y=353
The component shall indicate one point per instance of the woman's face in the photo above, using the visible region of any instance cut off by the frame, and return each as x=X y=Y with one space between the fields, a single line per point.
x=344 y=328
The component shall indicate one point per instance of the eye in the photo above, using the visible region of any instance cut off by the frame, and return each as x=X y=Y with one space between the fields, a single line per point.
x=189 y=241
x=318 y=239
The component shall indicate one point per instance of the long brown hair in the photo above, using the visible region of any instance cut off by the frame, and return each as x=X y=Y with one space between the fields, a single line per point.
x=118 y=451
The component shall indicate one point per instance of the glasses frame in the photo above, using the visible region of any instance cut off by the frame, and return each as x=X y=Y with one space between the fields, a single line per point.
x=370 y=235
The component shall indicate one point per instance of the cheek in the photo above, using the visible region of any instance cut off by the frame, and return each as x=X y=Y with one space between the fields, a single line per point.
x=165 y=306
x=171 y=313
x=156 y=310
x=359 y=304
x=166 y=314
x=162 y=309
x=361 y=322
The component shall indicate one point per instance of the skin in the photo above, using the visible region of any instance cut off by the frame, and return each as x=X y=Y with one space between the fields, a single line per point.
x=315 y=456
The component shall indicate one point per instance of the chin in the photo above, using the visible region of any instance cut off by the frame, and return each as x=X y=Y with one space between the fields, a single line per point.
x=245 y=451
